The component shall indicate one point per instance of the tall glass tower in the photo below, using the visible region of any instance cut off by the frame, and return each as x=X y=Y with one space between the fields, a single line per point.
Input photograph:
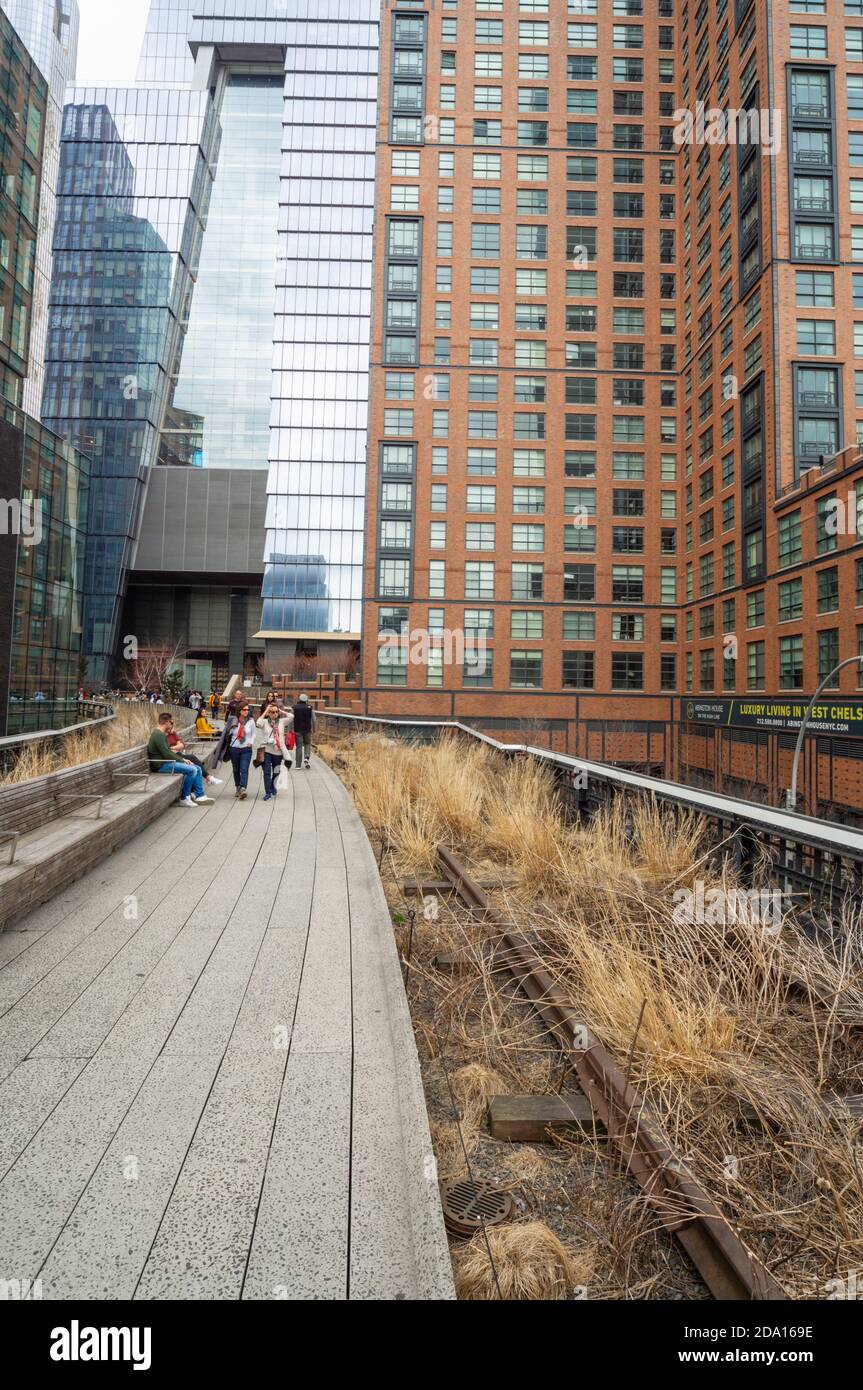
x=49 y=31
x=247 y=475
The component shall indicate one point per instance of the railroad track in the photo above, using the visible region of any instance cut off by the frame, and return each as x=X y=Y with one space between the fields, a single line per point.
x=728 y=1269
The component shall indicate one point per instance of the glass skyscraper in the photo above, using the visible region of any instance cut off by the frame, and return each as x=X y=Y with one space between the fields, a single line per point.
x=134 y=184
x=231 y=330
x=49 y=31
x=43 y=479
x=218 y=413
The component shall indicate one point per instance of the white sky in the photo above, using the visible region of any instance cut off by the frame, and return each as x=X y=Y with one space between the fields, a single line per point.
x=110 y=40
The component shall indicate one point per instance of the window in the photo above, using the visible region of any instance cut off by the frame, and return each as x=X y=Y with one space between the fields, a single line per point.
x=627 y=627
x=479 y=580
x=528 y=463
x=526 y=625
x=627 y=671
x=627 y=583
x=808 y=41
x=478 y=672
x=481 y=498
x=825 y=524
x=485 y=239
x=528 y=499
x=579 y=627
x=816 y=337
x=479 y=535
x=579 y=582
x=527 y=581
x=790 y=539
x=828 y=590
x=791 y=663
x=578 y=670
x=482 y=461
x=828 y=653
x=486 y=166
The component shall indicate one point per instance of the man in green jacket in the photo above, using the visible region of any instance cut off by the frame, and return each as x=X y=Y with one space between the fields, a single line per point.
x=162 y=759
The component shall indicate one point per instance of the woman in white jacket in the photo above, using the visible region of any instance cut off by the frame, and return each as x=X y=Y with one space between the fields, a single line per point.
x=274 y=729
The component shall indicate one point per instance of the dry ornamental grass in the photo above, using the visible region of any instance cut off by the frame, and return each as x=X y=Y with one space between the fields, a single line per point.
x=742 y=1040
x=131 y=727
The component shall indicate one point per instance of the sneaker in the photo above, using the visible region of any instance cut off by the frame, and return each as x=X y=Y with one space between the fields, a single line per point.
x=214 y=781
x=187 y=801
x=307 y=767
x=242 y=793
x=204 y=801
x=269 y=796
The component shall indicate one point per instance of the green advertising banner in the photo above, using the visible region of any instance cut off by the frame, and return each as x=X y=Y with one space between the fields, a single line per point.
x=836 y=715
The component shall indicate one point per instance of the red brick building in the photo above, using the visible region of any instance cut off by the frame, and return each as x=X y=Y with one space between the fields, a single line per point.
x=615 y=392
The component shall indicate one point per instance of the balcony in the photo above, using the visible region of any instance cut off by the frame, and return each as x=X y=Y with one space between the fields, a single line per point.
x=810 y=111
x=813 y=253
x=802 y=156
x=804 y=204
x=816 y=398
x=815 y=450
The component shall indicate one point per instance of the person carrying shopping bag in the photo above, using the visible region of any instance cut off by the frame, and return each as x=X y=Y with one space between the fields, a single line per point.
x=240 y=739
x=274 y=743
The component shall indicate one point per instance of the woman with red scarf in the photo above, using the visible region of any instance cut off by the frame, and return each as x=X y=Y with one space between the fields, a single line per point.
x=275 y=737
x=241 y=739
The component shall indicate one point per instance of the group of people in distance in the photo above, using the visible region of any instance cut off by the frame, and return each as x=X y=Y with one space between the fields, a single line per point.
x=280 y=737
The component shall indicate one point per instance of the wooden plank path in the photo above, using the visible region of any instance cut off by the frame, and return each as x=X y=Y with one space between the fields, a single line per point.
x=209 y=1087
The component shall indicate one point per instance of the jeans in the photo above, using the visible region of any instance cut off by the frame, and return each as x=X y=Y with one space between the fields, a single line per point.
x=271 y=762
x=192 y=779
x=190 y=758
x=304 y=748
x=240 y=759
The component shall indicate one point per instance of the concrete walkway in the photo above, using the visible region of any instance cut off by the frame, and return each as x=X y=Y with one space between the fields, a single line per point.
x=209 y=1087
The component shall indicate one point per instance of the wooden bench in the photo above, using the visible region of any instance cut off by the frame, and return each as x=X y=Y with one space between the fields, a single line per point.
x=54 y=829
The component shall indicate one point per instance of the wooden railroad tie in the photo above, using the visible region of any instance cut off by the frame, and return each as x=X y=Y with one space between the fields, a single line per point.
x=535 y=1119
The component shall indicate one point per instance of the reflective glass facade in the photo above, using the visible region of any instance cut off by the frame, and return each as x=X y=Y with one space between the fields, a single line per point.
x=23 y=100
x=219 y=410
x=49 y=31
x=323 y=208
x=314 y=549
x=134 y=185
x=41 y=574
x=254 y=353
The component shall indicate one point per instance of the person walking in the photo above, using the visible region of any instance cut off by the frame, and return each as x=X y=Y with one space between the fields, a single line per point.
x=274 y=739
x=241 y=738
x=304 y=722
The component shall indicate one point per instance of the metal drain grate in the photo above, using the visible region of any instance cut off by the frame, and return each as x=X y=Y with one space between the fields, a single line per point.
x=466 y=1204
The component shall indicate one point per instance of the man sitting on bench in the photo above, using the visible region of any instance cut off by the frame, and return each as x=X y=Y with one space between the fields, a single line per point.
x=162 y=760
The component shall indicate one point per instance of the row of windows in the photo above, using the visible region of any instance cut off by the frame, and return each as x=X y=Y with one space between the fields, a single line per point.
x=626 y=669
x=533 y=168
x=526 y=624
x=397 y=534
x=578 y=501
x=398 y=459
x=527 y=581
x=577 y=670
x=790 y=661
x=527 y=425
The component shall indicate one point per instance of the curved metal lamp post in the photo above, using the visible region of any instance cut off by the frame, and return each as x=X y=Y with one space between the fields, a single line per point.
x=791 y=794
